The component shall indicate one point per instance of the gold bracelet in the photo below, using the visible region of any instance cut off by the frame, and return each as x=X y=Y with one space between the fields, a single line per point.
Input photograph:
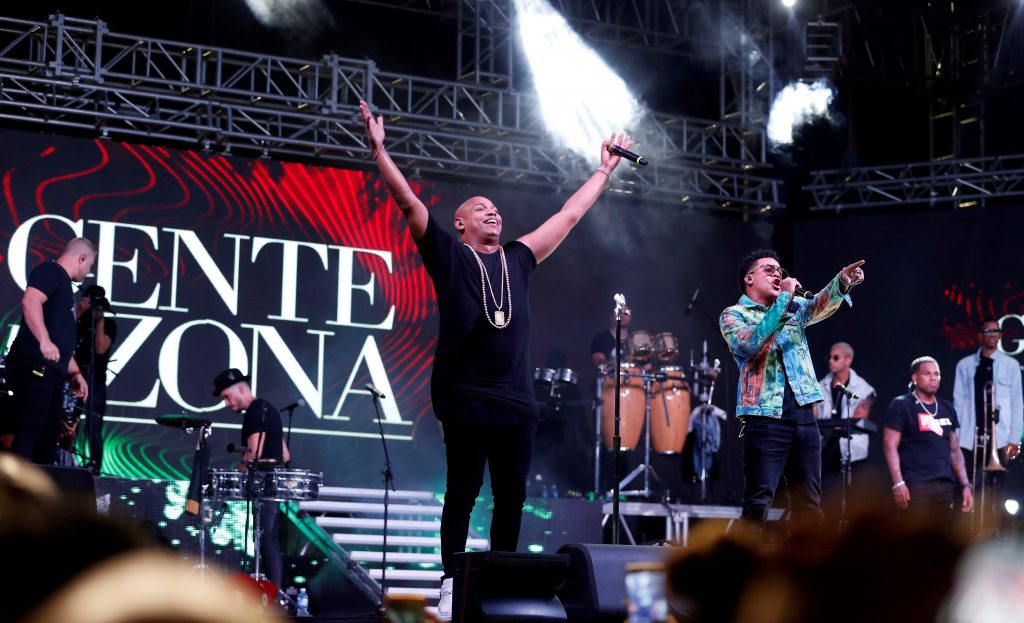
x=377 y=153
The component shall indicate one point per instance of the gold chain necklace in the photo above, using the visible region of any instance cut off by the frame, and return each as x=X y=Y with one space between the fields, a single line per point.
x=500 y=321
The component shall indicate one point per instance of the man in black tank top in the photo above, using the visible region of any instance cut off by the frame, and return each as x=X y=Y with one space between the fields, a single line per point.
x=481 y=385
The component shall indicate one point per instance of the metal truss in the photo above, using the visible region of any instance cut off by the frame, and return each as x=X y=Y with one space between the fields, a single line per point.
x=76 y=74
x=657 y=26
x=955 y=183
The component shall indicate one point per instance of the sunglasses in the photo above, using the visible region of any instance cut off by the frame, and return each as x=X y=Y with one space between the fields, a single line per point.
x=771 y=269
x=995 y=331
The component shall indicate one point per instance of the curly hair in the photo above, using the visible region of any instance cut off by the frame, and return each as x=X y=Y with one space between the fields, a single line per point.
x=749 y=261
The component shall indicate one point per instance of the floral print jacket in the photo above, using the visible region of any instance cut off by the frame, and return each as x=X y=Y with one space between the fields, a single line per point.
x=762 y=339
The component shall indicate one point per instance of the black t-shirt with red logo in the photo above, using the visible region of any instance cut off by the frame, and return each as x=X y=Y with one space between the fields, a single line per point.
x=925 y=446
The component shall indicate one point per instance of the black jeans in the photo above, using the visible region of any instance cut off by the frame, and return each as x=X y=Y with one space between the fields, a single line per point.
x=37 y=402
x=774 y=449
x=507 y=450
x=270 y=548
x=933 y=498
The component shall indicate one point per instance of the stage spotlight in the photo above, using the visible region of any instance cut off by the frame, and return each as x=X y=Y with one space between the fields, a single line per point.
x=789 y=4
x=1012 y=507
x=310 y=14
x=582 y=100
x=796 y=104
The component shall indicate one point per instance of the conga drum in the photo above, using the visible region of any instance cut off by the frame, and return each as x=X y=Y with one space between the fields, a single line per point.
x=631 y=407
x=670 y=411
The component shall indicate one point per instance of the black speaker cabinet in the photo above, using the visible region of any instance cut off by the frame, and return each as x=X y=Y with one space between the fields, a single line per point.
x=595 y=589
x=72 y=480
x=505 y=586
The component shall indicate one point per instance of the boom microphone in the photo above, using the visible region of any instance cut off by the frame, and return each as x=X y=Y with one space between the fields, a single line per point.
x=615 y=150
x=235 y=448
x=846 y=391
x=376 y=392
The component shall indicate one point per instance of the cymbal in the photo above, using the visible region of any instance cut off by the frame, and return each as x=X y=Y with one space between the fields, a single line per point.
x=181 y=420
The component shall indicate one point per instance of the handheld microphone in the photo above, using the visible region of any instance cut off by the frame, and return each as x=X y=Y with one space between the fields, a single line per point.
x=295 y=405
x=615 y=150
x=803 y=293
x=235 y=448
x=846 y=391
x=693 y=300
x=376 y=392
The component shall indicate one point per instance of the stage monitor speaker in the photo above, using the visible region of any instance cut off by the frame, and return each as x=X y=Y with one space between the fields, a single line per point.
x=73 y=481
x=595 y=589
x=506 y=587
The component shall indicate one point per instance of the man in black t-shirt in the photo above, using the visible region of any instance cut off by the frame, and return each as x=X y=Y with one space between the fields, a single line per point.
x=96 y=335
x=481 y=385
x=41 y=357
x=263 y=436
x=602 y=346
x=921 y=447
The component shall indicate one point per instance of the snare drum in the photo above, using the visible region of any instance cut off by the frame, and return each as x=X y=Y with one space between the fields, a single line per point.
x=292 y=484
x=230 y=484
x=666 y=349
x=631 y=407
x=544 y=376
x=670 y=411
x=639 y=345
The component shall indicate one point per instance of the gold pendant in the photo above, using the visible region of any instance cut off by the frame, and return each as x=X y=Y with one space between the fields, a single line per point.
x=499 y=317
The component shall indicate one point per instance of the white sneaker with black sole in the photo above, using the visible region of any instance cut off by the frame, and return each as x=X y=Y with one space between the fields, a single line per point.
x=444 y=605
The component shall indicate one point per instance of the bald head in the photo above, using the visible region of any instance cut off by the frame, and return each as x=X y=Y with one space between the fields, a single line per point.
x=78 y=258
x=77 y=246
x=477 y=221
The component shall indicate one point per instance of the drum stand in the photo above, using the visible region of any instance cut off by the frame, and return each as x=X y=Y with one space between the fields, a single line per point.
x=645 y=467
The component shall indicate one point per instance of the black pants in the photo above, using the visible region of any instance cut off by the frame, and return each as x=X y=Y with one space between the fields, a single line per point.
x=270 y=547
x=36 y=409
x=933 y=498
x=992 y=481
x=775 y=449
x=95 y=406
x=507 y=450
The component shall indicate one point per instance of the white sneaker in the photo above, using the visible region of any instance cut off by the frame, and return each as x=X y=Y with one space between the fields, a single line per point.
x=444 y=605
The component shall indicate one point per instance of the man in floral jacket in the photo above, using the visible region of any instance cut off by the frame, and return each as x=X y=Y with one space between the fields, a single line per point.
x=777 y=383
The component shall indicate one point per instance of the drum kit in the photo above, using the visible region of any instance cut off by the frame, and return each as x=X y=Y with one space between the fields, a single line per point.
x=262 y=482
x=655 y=401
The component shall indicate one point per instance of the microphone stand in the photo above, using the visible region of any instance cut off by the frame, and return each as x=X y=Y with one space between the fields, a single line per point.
x=620 y=303
x=389 y=485
x=291 y=412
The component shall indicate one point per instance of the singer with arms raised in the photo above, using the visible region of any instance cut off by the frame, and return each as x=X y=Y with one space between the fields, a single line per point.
x=777 y=384
x=481 y=386
x=263 y=441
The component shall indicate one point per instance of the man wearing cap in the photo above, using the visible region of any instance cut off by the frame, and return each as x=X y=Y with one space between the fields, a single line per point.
x=263 y=438
x=96 y=335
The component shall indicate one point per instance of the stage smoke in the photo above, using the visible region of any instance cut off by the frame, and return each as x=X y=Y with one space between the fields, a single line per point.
x=795 y=105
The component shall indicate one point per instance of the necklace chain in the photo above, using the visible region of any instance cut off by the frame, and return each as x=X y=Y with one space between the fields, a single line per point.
x=500 y=320
x=918 y=400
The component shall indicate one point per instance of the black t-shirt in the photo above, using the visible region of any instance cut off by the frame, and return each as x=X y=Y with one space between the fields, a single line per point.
x=58 y=315
x=837 y=403
x=792 y=411
x=604 y=342
x=480 y=372
x=253 y=422
x=86 y=340
x=982 y=376
x=925 y=446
